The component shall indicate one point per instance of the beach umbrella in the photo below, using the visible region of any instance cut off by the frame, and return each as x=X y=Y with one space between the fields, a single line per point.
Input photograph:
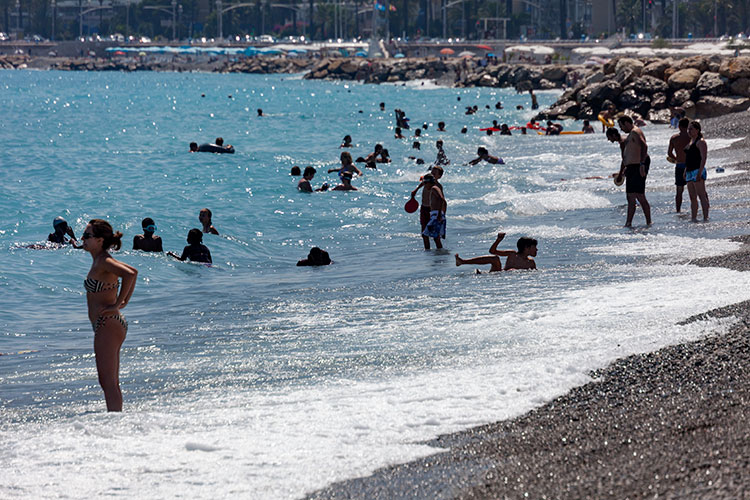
x=141 y=53
x=466 y=53
x=483 y=47
x=447 y=52
x=119 y=53
x=399 y=56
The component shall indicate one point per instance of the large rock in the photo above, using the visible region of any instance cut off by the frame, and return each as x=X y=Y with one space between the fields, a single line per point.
x=735 y=67
x=629 y=99
x=633 y=65
x=680 y=97
x=649 y=85
x=609 y=67
x=554 y=73
x=595 y=77
x=741 y=86
x=696 y=62
x=684 y=78
x=658 y=101
x=711 y=84
x=568 y=109
x=657 y=68
x=595 y=94
x=709 y=106
x=349 y=67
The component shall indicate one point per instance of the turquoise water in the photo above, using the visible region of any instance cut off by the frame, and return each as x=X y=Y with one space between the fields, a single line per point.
x=258 y=377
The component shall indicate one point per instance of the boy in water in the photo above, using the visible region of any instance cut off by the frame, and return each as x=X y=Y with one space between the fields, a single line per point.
x=304 y=183
x=441 y=159
x=147 y=241
x=204 y=216
x=424 y=209
x=195 y=251
x=435 y=227
x=484 y=155
x=521 y=259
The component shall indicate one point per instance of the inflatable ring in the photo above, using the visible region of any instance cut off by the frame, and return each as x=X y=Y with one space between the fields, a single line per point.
x=609 y=122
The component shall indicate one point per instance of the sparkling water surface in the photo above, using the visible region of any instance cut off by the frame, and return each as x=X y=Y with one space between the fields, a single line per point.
x=256 y=377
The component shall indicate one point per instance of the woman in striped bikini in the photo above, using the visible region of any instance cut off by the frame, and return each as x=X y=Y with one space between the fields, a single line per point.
x=104 y=305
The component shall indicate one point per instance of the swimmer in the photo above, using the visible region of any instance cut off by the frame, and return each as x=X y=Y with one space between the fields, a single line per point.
x=347 y=143
x=204 y=216
x=385 y=157
x=424 y=125
x=304 y=183
x=483 y=155
x=441 y=159
x=534 y=103
x=553 y=128
x=347 y=165
x=346 y=183
x=519 y=107
x=498 y=105
x=316 y=257
x=105 y=303
x=417 y=133
x=193 y=147
x=416 y=145
x=371 y=159
x=61 y=229
x=195 y=250
x=521 y=259
x=464 y=130
x=260 y=112
x=398 y=134
x=147 y=241
x=295 y=171
x=489 y=131
x=523 y=131
x=587 y=128
x=441 y=127
x=504 y=130
x=382 y=106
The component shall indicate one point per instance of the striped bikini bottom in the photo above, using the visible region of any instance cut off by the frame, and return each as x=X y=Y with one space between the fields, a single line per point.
x=103 y=319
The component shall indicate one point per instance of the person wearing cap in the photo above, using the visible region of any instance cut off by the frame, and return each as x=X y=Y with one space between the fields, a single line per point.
x=435 y=228
x=62 y=229
x=147 y=241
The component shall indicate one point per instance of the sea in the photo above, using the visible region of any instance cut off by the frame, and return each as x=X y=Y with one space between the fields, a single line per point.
x=260 y=379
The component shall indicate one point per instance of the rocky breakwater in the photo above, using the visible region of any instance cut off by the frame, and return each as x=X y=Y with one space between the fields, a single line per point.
x=702 y=86
x=99 y=64
x=456 y=72
x=265 y=65
x=14 y=62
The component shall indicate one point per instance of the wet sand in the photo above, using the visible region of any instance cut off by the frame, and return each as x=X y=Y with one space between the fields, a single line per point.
x=668 y=424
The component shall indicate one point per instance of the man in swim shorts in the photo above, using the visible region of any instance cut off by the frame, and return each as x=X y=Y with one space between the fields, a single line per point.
x=435 y=227
x=676 y=150
x=147 y=241
x=634 y=166
x=424 y=208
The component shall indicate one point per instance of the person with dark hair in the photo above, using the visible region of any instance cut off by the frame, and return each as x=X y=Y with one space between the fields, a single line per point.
x=304 y=184
x=347 y=165
x=695 y=171
x=385 y=156
x=441 y=158
x=416 y=145
x=61 y=229
x=195 y=250
x=521 y=259
x=204 y=216
x=193 y=147
x=587 y=128
x=504 y=130
x=464 y=129
x=398 y=134
x=634 y=166
x=676 y=154
x=553 y=128
x=484 y=155
x=441 y=127
x=147 y=241
x=316 y=257
x=424 y=208
x=436 y=226
x=347 y=142
x=534 y=102
x=104 y=305
x=260 y=112
x=296 y=171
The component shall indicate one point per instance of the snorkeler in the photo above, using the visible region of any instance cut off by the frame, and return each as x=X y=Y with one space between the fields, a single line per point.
x=204 y=216
x=147 y=241
x=483 y=155
x=195 y=250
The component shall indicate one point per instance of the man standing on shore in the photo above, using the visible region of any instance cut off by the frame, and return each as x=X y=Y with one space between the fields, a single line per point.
x=676 y=150
x=635 y=163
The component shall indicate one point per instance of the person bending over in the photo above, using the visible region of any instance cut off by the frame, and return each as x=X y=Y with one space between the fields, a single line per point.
x=195 y=251
x=147 y=241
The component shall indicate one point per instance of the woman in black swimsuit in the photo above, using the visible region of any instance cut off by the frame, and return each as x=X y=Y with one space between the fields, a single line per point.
x=104 y=304
x=695 y=170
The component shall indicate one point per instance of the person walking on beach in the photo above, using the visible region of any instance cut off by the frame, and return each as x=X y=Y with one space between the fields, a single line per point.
x=695 y=171
x=147 y=241
x=523 y=258
x=634 y=167
x=435 y=227
x=104 y=305
x=204 y=216
x=676 y=151
x=424 y=208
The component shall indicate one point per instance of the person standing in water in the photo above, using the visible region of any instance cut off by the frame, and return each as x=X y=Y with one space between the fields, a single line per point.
x=634 y=167
x=436 y=226
x=676 y=150
x=104 y=305
x=695 y=171
x=204 y=216
x=424 y=208
x=147 y=241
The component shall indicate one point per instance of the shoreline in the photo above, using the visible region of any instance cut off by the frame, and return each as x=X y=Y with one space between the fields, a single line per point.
x=671 y=423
